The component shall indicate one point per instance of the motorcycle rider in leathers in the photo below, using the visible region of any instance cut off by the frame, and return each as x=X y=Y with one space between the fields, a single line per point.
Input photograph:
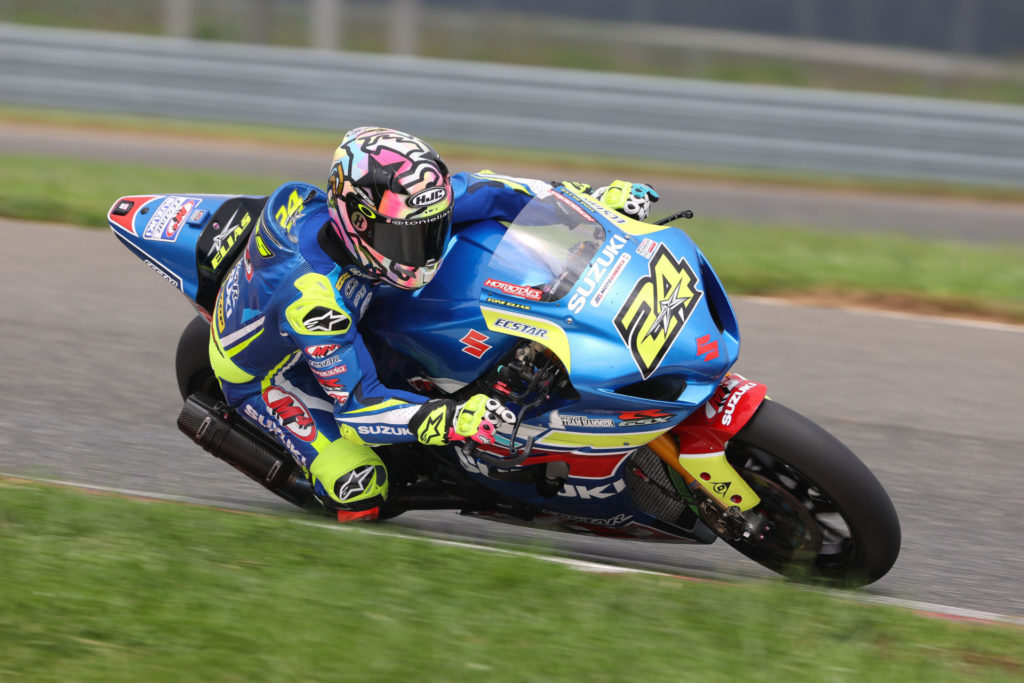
x=284 y=342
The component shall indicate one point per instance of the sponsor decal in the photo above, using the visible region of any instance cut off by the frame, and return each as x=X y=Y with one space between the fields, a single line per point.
x=197 y=217
x=706 y=348
x=321 y=350
x=247 y=264
x=584 y=492
x=272 y=428
x=383 y=430
x=734 y=400
x=332 y=371
x=617 y=520
x=168 y=219
x=475 y=343
x=335 y=389
x=510 y=304
x=716 y=403
x=559 y=421
x=521 y=328
x=290 y=413
x=596 y=272
x=638 y=418
x=616 y=271
x=321 y=319
x=572 y=205
x=160 y=271
x=646 y=248
x=231 y=293
x=430 y=196
x=599 y=208
x=656 y=309
x=521 y=291
x=226 y=238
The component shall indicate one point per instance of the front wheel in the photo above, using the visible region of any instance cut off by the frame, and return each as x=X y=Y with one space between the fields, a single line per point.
x=825 y=515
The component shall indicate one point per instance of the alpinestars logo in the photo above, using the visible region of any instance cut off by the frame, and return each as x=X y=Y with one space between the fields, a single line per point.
x=353 y=483
x=322 y=319
x=657 y=309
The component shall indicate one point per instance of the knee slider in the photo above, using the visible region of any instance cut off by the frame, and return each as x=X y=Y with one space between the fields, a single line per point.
x=350 y=476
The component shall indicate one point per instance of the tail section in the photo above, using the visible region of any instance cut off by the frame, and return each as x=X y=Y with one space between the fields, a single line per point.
x=190 y=240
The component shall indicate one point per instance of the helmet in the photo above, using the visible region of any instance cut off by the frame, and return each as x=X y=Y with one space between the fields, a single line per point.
x=390 y=199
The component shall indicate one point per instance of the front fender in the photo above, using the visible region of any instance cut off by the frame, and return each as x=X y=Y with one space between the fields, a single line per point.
x=697 y=452
x=732 y=405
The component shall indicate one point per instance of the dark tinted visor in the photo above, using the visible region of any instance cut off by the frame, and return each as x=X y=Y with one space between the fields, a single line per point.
x=413 y=242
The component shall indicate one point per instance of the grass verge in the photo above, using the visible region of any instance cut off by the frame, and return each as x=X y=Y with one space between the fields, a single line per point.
x=875 y=270
x=103 y=588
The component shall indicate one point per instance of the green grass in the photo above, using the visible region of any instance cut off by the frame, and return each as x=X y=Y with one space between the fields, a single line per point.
x=879 y=270
x=98 y=588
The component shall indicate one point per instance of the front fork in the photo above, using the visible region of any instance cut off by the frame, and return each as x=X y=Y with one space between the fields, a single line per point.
x=695 y=450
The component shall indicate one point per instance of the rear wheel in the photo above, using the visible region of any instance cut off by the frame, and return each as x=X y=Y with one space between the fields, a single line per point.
x=825 y=516
x=192 y=361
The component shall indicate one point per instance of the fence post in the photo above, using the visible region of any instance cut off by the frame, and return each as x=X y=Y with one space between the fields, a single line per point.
x=177 y=18
x=324 y=17
x=403 y=29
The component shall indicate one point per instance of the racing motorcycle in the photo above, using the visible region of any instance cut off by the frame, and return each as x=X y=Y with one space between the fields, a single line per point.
x=610 y=341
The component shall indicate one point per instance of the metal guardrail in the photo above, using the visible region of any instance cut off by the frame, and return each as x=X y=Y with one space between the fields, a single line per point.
x=685 y=121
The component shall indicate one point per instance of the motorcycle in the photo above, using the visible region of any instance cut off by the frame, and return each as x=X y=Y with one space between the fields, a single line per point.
x=610 y=341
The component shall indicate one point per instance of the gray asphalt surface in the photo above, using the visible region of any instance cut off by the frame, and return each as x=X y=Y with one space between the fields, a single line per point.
x=928 y=217
x=933 y=406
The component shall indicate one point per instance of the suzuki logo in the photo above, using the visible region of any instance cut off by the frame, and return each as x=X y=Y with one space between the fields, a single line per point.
x=707 y=348
x=475 y=344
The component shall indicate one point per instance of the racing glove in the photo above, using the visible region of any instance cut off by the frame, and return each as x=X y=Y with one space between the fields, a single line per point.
x=630 y=199
x=440 y=421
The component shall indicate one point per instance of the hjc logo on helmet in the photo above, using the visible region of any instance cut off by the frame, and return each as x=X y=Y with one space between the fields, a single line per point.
x=429 y=196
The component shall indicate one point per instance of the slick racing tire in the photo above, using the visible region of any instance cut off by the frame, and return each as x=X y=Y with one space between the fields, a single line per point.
x=827 y=518
x=192 y=361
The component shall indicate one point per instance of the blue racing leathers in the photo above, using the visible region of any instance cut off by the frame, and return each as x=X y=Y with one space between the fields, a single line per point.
x=284 y=341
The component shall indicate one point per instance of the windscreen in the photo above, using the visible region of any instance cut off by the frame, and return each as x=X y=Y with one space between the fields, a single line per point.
x=545 y=250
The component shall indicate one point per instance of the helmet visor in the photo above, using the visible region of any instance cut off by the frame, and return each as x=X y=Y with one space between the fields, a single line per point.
x=413 y=242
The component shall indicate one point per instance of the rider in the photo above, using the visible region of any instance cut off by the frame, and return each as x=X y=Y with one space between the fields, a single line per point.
x=284 y=342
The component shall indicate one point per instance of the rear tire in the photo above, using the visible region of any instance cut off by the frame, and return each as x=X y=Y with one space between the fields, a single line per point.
x=192 y=361
x=828 y=519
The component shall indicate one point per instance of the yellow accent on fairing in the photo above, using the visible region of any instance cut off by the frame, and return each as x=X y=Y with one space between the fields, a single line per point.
x=625 y=440
x=724 y=481
x=316 y=291
x=535 y=329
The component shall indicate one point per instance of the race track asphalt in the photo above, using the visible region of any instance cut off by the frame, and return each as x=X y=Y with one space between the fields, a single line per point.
x=933 y=406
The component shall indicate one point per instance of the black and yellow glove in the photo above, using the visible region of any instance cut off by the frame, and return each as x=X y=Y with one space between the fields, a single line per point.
x=440 y=421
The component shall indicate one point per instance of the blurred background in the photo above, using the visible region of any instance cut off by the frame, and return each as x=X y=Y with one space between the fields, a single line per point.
x=774 y=85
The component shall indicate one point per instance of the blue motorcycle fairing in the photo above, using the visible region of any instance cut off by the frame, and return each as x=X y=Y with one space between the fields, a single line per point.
x=619 y=352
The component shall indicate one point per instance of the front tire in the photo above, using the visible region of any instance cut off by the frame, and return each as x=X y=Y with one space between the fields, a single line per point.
x=827 y=517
